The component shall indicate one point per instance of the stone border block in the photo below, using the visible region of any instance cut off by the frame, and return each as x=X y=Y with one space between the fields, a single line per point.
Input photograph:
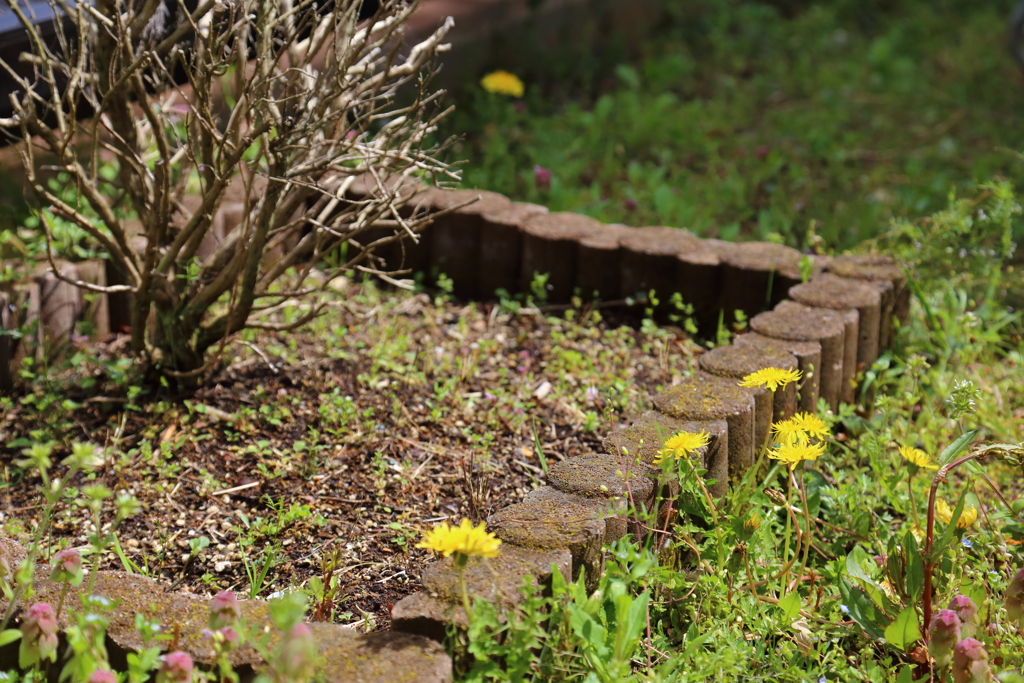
x=808 y=358
x=703 y=398
x=501 y=247
x=601 y=476
x=737 y=361
x=831 y=291
x=802 y=324
x=553 y=525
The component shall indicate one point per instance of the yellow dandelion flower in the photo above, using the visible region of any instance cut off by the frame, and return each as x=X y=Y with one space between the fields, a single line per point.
x=752 y=523
x=918 y=533
x=682 y=444
x=464 y=539
x=945 y=515
x=789 y=432
x=503 y=83
x=918 y=457
x=813 y=425
x=792 y=454
x=968 y=517
x=773 y=378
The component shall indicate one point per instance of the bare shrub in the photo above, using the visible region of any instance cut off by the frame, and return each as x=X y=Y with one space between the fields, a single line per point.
x=284 y=106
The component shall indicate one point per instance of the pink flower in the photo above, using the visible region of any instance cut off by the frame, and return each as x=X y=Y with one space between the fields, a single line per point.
x=67 y=567
x=38 y=635
x=943 y=634
x=102 y=676
x=224 y=610
x=541 y=178
x=970 y=662
x=176 y=668
x=296 y=660
x=967 y=611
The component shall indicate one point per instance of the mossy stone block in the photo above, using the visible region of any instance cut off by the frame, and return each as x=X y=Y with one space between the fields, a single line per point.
x=501 y=247
x=808 y=358
x=879 y=268
x=706 y=397
x=381 y=657
x=553 y=525
x=740 y=360
x=497 y=579
x=424 y=615
x=602 y=475
x=611 y=510
x=347 y=655
x=849 y=318
x=794 y=322
x=642 y=439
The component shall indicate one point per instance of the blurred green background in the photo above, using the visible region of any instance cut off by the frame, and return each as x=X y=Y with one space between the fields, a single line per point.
x=763 y=120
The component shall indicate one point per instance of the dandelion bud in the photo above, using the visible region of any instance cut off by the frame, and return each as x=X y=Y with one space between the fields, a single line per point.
x=752 y=523
x=224 y=610
x=541 y=178
x=102 y=676
x=967 y=611
x=943 y=634
x=296 y=660
x=970 y=662
x=67 y=567
x=176 y=668
x=1015 y=598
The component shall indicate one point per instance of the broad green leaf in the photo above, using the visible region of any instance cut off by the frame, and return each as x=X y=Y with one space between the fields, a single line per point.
x=862 y=610
x=904 y=629
x=790 y=605
x=953 y=449
x=855 y=569
x=9 y=636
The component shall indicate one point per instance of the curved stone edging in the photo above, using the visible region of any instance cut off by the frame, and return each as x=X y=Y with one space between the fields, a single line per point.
x=830 y=328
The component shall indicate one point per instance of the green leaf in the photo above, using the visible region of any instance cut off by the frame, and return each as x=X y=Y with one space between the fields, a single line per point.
x=915 y=568
x=904 y=629
x=790 y=605
x=953 y=449
x=862 y=609
x=947 y=534
x=9 y=636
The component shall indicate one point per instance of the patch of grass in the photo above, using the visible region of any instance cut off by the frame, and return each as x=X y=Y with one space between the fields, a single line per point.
x=745 y=122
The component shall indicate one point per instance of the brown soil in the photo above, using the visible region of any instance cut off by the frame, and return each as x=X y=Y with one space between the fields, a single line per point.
x=447 y=405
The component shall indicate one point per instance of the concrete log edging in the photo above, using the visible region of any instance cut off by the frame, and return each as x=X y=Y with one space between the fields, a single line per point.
x=841 y=318
x=828 y=327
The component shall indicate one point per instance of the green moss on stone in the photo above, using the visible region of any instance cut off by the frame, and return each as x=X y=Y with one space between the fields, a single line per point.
x=705 y=397
x=547 y=525
x=498 y=578
x=600 y=476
